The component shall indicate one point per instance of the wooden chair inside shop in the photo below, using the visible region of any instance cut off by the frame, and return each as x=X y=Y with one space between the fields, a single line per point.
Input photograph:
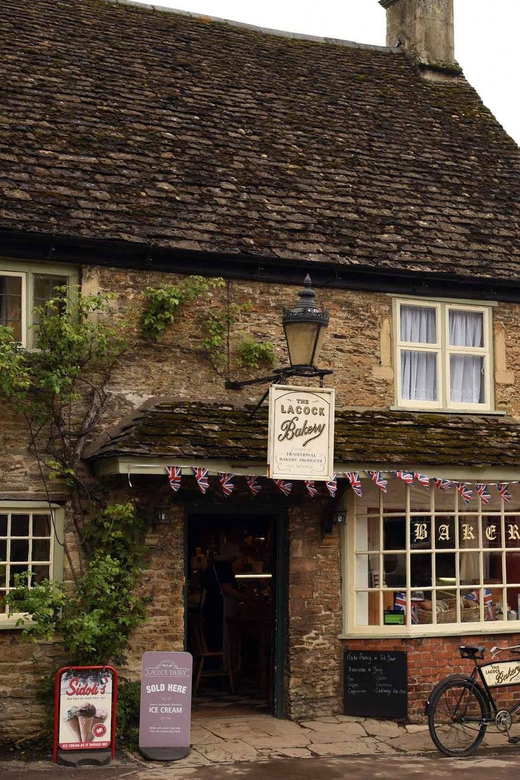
x=200 y=653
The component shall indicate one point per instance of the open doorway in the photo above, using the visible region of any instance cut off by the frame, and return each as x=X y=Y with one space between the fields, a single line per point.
x=235 y=616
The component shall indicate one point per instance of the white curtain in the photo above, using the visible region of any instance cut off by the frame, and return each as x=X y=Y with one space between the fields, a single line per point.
x=466 y=371
x=418 y=369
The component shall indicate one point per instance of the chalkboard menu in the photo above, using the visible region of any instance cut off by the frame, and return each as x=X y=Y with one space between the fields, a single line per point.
x=375 y=684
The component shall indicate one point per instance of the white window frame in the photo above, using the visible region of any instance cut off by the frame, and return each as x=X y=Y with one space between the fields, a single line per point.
x=443 y=350
x=27 y=272
x=56 y=551
x=350 y=555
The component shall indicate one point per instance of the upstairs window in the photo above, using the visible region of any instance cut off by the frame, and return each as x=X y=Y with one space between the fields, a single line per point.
x=443 y=356
x=22 y=289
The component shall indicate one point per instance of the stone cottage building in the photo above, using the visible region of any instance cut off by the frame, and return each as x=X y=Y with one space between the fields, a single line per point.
x=140 y=147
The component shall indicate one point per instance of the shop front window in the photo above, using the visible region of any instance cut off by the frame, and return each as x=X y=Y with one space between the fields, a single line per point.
x=426 y=558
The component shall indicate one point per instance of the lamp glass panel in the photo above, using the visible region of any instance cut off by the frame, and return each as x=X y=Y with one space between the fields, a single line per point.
x=304 y=341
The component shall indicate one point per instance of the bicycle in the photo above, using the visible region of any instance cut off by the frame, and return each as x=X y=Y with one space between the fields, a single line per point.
x=461 y=706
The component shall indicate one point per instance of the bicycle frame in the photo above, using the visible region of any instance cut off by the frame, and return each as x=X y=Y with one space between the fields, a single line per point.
x=497 y=674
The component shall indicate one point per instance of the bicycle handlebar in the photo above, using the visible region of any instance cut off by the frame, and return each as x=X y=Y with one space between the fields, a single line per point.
x=495 y=650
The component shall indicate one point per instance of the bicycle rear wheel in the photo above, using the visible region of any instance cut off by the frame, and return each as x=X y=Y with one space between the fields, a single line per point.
x=457 y=717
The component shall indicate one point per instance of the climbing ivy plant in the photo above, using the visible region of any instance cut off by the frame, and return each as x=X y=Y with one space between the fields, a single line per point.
x=163 y=304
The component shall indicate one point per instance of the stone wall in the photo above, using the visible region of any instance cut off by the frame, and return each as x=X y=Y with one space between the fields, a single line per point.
x=314 y=652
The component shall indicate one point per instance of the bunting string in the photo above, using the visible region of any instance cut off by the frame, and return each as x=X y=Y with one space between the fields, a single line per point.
x=466 y=490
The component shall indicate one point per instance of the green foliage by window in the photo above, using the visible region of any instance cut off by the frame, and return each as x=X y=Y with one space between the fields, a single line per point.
x=95 y=615
x=253 y=354
x=164 y=303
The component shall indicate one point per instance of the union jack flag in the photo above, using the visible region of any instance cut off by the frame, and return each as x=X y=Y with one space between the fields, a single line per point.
x=406 y=476
x=442 y=484
x=283 y=485
x=332 y=485
x=400 y=601
x=226 y=483
x=309 y=484
x=473 y=595
x=488 y=604
x=355 y=482
x=464 y=491
x=423 y=479
x=414 y=614
x=201 y=475
x=503 y=489
x=377 y=477
x=483 y=492
x=252 y=483
x=174 y=477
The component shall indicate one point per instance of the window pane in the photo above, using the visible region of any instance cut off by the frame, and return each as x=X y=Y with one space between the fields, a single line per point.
x=469 y=568
x=466 y=328
x=3 y=525
x=491 y=532
x=3 y=571
x=19 y=525
x=46 y=286
x=40 y=573
x=420 y=533
x=41 y=550
x=3 y=550
x=444 y=533
x=20 y=550
x=394 y=567
x=492 y=567
x=445 y=569
x=468 y=532
x=513 y=532
x=418 y=375
x=41 y=525
x=394 y=529
x=418 y=325
x=467 y=379
x=513 y=567
x=14 y=570
x=11 y=304
x=421 y=570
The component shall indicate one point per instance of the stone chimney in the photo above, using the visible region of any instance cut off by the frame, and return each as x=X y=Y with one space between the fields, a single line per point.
x=424 y=28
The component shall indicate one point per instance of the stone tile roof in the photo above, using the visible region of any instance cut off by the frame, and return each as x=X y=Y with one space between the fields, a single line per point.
x=173 y=429
x=132 y=123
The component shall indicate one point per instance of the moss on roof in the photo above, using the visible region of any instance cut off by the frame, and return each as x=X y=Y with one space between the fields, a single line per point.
x=216 y=431
x=132 y=123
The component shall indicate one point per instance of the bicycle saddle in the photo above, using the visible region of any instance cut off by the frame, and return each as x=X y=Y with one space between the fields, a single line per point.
x=471 y=651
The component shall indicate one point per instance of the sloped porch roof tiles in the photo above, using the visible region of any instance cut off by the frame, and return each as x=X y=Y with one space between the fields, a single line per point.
x=216 y=431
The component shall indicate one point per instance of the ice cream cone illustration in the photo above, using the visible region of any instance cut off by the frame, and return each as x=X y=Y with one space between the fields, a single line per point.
x=71 y=719
x=86 y=721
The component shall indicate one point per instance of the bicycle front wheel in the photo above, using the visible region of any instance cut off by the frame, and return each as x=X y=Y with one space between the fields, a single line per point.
x=457 y=718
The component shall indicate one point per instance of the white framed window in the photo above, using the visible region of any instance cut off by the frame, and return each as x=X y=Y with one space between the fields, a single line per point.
x=443 y=355
x=427 y=554
x=23 y=287
x=31 y=539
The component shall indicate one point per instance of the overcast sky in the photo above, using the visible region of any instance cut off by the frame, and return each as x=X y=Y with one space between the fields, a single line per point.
x=486 y=36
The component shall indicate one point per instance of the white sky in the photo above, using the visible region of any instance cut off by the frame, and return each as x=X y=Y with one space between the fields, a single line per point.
x=486 y=36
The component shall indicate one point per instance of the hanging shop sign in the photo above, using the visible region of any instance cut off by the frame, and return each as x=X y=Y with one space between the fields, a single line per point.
x=85 y=715
x=301 y=433
x=164 y=725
